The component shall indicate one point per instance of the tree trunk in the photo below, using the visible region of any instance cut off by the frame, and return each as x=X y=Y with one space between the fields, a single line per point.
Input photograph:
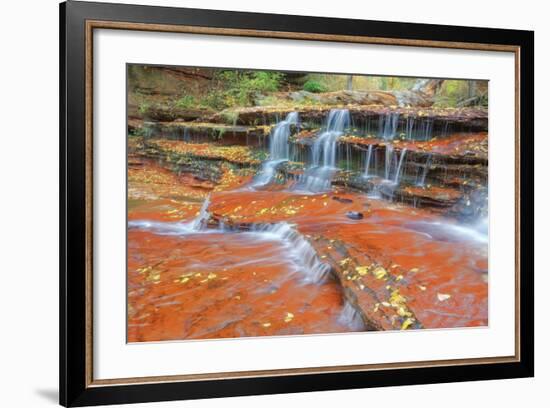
x=350 y=83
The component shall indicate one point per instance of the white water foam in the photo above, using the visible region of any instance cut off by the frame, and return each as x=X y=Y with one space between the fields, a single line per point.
x=299 y=250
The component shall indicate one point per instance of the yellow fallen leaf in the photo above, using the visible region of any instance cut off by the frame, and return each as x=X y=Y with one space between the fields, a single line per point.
x=443 y=297
x=211 y=275
x=401 y=311
x=289 y=317
x=362 y=270
x=379 y=272
x=422 y=288
x=343 y=262
x=414 y=270
x=396 y=299
x=266 y=324
x=407 y=323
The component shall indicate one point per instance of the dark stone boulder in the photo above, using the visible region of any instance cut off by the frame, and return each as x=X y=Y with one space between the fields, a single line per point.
x=354 y=215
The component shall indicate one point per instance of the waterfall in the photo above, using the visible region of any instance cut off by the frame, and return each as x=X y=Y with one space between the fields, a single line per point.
x=427 y=129
x=325 y=145
x=388 y=125
x=299 y=250
x=367 y=164
x=199 y=223
x=399 y=165
x=318 y=176
x=279 y=150
x=389 y=160
x=410 y=127
x=422 y=181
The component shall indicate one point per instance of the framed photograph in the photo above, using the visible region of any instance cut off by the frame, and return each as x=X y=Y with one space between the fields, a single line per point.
x=256 y=204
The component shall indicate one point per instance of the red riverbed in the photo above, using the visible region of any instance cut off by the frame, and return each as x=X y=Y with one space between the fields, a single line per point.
x=401 y=267
x=222 y=285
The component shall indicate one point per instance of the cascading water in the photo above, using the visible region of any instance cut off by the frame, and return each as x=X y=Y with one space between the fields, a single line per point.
x=318 y=176
x=397 y=175
x=422 y=180
x=410 y=127
x=367 y=164
x=351 y=317
x=427 y=129
x=388 y=161
x=388 y=125
x=299 y=250
x=279 y=150
x=200 y=222
x=476 y=232
x=197 y=225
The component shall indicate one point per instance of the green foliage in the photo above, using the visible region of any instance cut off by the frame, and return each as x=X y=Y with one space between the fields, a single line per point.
x=186 y=102
x=451 y=92
x=138 y=132
x=214 y=99
x=230 y=117
x=144 y=107
x=241 y=87
x=314 y=86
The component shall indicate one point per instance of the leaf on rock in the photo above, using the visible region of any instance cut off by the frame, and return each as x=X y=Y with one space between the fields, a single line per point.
x=362 y=270
x=407 y=323
x=443 y=297
x=379 y=272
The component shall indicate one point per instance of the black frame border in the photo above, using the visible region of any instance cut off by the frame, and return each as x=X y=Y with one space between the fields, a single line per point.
x=74 y=390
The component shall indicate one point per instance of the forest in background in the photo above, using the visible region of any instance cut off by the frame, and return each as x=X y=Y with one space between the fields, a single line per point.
x=152 y=88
